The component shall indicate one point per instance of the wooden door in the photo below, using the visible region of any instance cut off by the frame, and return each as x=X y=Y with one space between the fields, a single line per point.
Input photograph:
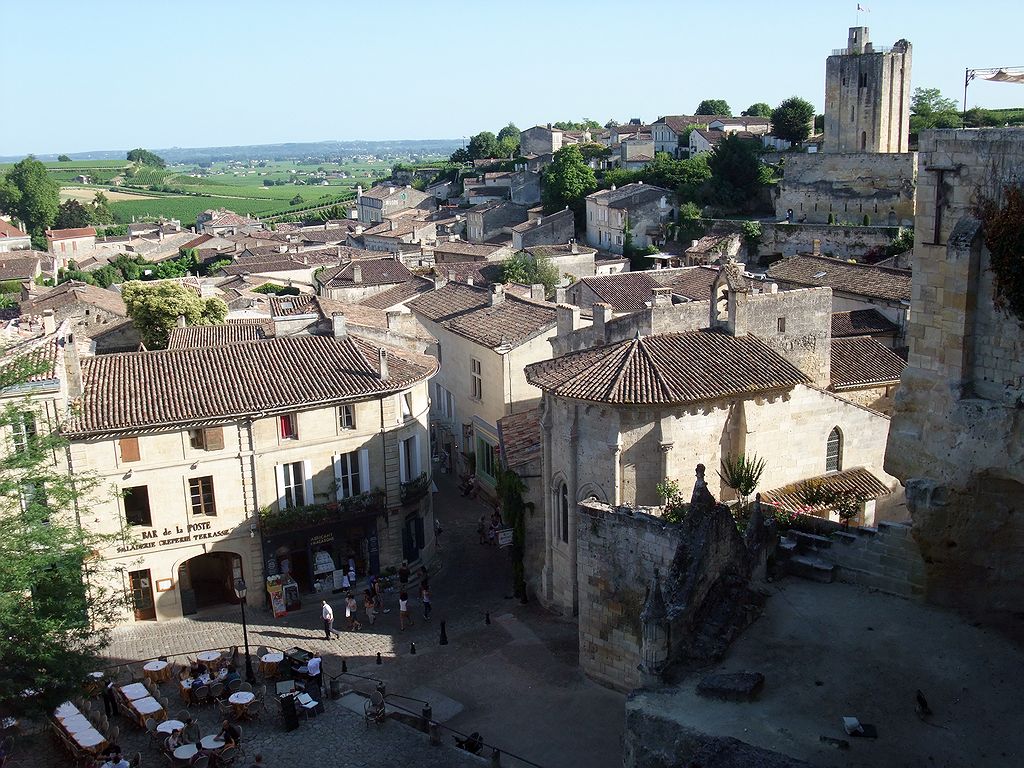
x=142 y=595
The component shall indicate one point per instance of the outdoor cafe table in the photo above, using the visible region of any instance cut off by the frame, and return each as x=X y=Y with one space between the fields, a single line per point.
x=209 y=657
x=134 y=691
x=212 y=742
x=91 y=740
x=185 y=752
x=169 y=726
x=240 y=699
x=269 y=662
x=157 y=671
x=76 y=724
x=147 y=707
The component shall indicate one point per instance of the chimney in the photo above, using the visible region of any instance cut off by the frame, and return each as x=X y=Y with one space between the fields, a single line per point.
x=497 y=294
x=469 y=280
x=49 y=323
x=538 y=292
x=391 y=190
x=573 y=248
x=393 y=318
x=357 y=273
x=73 y=366
x=568 y=319
x=451 y=275
x=662 y=297
x=613 y=187
x=382 y=358
x=180 y=322
x=440 y=281
x=560 y=295
x=359 y=191
x=693 y=243
x=602 y=314
x=353 y=213
x=339 y=325
x=816 y=247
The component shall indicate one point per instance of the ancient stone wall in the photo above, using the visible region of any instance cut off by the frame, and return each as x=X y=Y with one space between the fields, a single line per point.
x=848 y=186
x=837 y=241
x=957 y=437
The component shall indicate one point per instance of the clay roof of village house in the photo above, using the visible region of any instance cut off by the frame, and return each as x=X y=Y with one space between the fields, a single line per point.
x=325 y=309
x=383 y=271
x=862 y=361
x=214 y=335
x=626 y=291
x=843 y=276
x=526 y=226
x=482 y=272
x=859 y=480
x=13 y=266
x=400 y=294
x=558 y=249
x=229 y=219
x=73 y=292
x=519 y=435
x=690 y=367
x=41 y=354
x=861 y=322
x=174 y=387
x=623 y=196
x=462 y=248
x=67 y=234
x=466 y=310
x=692 y=282
x=285 y=263
x=9 y=230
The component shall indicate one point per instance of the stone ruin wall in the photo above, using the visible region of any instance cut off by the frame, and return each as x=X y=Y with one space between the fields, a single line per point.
x=957 y=436
x=840 y=242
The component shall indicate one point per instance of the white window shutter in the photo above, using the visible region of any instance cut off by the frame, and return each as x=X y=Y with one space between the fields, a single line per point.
x=279 y=475
x=416 y=455
x=365 y=486
x=307 y=478
x=401 y=461
x=339 y=492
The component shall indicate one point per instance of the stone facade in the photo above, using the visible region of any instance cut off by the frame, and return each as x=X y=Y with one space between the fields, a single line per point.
x=836 y=241
x=540 y=140
x=957 y=440
x=867 y=97
x=555 y=229
x=609 y=212
x=486 y=221
x=849 y=186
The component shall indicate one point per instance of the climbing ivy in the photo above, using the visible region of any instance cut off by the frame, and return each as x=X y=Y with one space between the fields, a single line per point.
x=1004 y=237
x=510 y=488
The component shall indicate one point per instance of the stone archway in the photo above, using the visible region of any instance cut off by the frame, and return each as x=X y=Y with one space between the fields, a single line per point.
x=207 y=580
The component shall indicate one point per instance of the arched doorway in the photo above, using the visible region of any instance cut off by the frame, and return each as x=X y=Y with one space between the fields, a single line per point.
x=207 y=580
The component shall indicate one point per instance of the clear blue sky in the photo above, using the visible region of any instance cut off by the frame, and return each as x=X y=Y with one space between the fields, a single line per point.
x=105 y=75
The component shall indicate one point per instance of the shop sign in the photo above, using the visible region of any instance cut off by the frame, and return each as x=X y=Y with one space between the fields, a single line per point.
x=192 y=532
x=505 y=537
x=323 y=538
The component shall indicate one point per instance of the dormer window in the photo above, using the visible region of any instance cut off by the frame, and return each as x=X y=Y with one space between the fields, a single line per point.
x=289 y=426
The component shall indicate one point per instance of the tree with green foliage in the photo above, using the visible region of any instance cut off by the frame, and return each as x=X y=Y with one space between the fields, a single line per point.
x=742 y=474
x=101 y=213
x=760 y=109
x=567 y=182
x=713 y=107
x=529 y=270
x=155 y=308
x=736 y=175
x=508 y=141
x=510 y=489
x=793 y=119
x=685 y=176
x=72 y=214
x=145 y=157
x=594 y=151
x=63 y=159
x=586 y=124
x=54 y=612
x=297 y=200
x=930 y=109
x=29 y=193
x=483 y=145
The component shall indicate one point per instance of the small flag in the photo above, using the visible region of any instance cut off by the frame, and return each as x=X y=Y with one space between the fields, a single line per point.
x=863 y=8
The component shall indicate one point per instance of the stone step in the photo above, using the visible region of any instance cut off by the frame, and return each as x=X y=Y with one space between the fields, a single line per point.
x=812 y=568
x=808 y=542
x=787 y=547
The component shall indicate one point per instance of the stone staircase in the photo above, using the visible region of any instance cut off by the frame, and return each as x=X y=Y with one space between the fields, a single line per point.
x=802 y=554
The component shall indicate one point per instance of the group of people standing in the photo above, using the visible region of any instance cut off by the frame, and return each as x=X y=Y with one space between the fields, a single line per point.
x=373 y=603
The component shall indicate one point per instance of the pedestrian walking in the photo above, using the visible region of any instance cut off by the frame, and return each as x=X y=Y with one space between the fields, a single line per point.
x=328 y=616
x=109 y=703
x=378 y=596
x=403 y=610
x=368 y=606
x=403 y=576
x=437 y=532
x=425 y=596
x=351 y=607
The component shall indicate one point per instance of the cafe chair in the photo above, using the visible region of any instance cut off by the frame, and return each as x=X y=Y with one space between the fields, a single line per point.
x=202 y=761
x=246 y=686
x=217 y=690
x=227 y=756
x=374 y=709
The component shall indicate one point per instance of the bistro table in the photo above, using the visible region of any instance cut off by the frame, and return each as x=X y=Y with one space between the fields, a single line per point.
x=212 y=742
x=90 y=740
x=240 y=700
x=134 y=691
x=148 y=707
x=185 y=752
x=269 y=663
x=76 y=724
x=169 y=726
x=157 y=671
x=209 y=658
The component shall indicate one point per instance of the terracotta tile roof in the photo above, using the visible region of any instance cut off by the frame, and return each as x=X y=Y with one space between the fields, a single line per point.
x=862 y=361
x=176 y=387
x=843 y=276
x=197 y=241
x=228 y=219
x=469 y=250
x=692 y=282
x=624 y=196
x=858 y=480
x=400 y=294
x=384 y=271
x=679 y=123
x=483 y=273
x=466 y=310
x=15 y=267
x=285 y=263
x=861 y=322
x=554 y=251
x=526 y=226
x=486 y=191
x=72 y=292
x=214 y=335
x=9 y=230
x=334 y=235
x=43 y=351
x=325 y=309
x=67 y=234
x=670 y=368
x=519 y=436
x=626 y=291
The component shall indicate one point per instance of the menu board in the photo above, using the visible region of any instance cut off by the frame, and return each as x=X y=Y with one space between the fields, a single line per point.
x=276 y=592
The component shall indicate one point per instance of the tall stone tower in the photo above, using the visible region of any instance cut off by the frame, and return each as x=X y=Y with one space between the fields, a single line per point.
x=867 y=96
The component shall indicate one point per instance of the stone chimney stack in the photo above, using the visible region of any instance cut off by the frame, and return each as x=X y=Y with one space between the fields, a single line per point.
x=497 y=294
x=662 y=297
x=382 y=358
x=73 y=366
x=568 y=319
x=469 y=280
x=357 y=273
x=451 y=275
x=560 y=294
x=538 y=292
x=602 y=314
x=359 y=191
x=440 y=281
x=180 y=322
x=573 y=247
x=816 y=247
x=49 y=322
x=340 y=325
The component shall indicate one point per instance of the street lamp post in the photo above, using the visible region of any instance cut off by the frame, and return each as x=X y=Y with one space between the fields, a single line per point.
x=240 y=590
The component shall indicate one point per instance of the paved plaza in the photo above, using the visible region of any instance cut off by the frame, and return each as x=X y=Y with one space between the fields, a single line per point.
x=515 y=680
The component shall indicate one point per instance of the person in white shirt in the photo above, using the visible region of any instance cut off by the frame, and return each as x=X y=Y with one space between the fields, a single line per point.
x=328 y=616
x=116 y=761
x=313 y=669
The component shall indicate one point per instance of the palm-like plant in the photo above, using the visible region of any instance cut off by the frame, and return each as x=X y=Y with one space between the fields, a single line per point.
x=742 y=474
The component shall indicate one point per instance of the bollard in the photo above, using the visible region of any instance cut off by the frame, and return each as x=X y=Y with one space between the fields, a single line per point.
x=428 y=715
x=412 y=648
x=487 y=618
x=382 y=689
x=344 y=667
x=435 y=735
x=495 y=756
x=378 y=658
x=444 y=634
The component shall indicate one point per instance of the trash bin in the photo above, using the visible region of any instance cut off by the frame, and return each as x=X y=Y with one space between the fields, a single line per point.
x=335 y=688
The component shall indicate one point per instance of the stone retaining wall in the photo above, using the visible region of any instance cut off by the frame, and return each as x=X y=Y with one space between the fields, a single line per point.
x=884 y=558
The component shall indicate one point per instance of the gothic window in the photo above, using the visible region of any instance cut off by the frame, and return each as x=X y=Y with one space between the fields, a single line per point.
x=863 y=140
x=563 y=508
x=834 y=451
